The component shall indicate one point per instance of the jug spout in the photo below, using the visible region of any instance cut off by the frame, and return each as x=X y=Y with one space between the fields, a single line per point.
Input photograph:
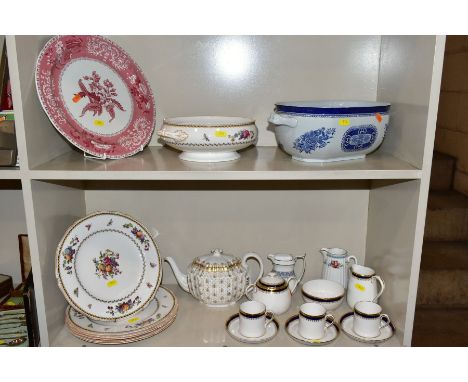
x=180 y=277
x=324 y=252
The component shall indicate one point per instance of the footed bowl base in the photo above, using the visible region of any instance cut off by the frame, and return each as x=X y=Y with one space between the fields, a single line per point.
x=201 y=156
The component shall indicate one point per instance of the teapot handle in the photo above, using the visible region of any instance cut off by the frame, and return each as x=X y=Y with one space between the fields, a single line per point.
x=249 y=288
x=252 y=255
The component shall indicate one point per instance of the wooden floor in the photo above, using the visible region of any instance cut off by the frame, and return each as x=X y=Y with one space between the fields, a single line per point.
x=440 y=326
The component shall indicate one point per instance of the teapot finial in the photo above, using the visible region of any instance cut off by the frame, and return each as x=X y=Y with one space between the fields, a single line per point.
x=217 y=252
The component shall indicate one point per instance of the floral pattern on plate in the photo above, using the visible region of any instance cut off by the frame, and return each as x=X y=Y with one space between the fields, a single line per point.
x=107 y=265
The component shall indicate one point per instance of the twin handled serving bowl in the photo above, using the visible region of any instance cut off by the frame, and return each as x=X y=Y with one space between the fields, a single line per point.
x=328 y=131
x=209 y=138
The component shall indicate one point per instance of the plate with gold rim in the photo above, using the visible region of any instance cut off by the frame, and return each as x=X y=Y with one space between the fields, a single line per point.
x=292 y=328
x=166 y=309
x=108 y=266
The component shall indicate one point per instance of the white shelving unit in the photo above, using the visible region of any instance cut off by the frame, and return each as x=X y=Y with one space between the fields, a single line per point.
x=264 y=202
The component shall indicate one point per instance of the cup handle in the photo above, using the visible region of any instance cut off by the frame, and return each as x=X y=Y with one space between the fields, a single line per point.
x=349 y=258
x=247 y=290
x=268 y=320
x=382 y=316
x=329 y=323
x=382 y=288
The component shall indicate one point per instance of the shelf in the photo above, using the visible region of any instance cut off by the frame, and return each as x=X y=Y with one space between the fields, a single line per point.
x=197 y=325
x=10 y=173
x=256 y=163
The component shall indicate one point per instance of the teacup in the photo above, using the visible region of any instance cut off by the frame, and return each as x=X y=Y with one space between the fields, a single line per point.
x=368 y=319
x=253 y=319
x=313 y=321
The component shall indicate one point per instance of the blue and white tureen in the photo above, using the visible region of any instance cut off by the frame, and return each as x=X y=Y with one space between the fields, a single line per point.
x=327 y=131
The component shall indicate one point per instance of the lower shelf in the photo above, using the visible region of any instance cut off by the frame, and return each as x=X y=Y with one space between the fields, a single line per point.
x=197 y=325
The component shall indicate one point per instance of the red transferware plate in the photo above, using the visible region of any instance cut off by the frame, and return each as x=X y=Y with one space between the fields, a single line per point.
x=95 y=95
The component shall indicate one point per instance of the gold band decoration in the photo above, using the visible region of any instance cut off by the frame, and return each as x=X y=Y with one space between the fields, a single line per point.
x=272 y=288
x=251 y=315
x=309 y=317
x=323 y=299
x=216 y=126
x=209 y=267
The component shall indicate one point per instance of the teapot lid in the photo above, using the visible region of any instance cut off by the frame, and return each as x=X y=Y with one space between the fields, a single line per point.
x=217 y=260
x=272 y=282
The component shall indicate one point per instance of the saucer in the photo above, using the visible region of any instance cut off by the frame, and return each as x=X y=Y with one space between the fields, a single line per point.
x=346 y=323
x=292 y=328
x=232 y=327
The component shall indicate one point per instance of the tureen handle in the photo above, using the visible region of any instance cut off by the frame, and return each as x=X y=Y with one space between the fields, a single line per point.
x=252 y=255
x=277 y=119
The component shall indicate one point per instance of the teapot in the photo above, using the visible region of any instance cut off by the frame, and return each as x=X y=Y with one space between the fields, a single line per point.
x=284 y=265
x=335 y=265
x=217 y=279
x=274 y=291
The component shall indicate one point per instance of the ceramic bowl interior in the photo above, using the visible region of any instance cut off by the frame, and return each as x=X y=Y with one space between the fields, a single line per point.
x=312 y=309
x=368 y=307
x=252 y=307
x=362 y=270
x=333 y=104
x=323 y=289
x=208 y=121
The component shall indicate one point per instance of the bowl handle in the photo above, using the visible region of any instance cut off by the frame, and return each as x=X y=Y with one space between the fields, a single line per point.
x=178 y=136
x=277 y=119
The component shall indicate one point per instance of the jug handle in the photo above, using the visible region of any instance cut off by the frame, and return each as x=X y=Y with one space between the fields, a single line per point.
x=349 y=258
x=252 y=255
x=295 y=285
x=382 y=288
x=324 y=252
x=271 y=257
x=247 y=290
x=303 y=267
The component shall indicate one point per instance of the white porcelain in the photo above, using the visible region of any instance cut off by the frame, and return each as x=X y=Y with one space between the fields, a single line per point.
x=274 y=291
x=217 y=279
x=363 y=285
x=347 y=324
x=253 y=319
x=284 y=265
x=369 y=320
x=314 y=321
x=326 y=131
x=208 y=138
x=335 y=265
x=233 y=329
x=292 y=328
x=162 y=306
x=108 y=266
x=327 y=293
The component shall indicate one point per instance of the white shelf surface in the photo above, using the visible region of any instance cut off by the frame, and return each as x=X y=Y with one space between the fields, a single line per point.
x=10 y=173
x=197 y=325
x=255 y=163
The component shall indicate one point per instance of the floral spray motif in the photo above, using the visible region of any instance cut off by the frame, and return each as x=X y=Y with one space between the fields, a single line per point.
x=100 y=96
x=314 y=140
x=107 y=265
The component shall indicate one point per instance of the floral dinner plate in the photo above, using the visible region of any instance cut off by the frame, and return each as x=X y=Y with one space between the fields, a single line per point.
x=108 y=266
x=95 y=95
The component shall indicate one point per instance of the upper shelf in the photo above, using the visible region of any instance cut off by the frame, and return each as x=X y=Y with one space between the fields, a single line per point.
x=10 y=173
x=256 y=163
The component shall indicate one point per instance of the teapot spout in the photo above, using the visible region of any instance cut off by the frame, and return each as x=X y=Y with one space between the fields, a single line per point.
x=180 y=277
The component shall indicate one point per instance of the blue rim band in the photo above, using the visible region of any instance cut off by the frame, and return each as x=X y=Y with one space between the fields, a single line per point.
x=332 y=110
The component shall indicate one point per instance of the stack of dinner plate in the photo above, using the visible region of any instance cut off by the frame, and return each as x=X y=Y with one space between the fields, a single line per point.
x=109 y=269
x=154 y=319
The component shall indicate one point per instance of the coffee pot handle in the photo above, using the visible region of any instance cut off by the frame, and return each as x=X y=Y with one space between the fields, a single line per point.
x=303 y=267
x=349 y=258
x=252 y=255
x=382 y=287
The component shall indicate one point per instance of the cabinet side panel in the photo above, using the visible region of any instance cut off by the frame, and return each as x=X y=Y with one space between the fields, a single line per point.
x=405 y=77
x=55 y=207
x=391 y=235
x=43 y=142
